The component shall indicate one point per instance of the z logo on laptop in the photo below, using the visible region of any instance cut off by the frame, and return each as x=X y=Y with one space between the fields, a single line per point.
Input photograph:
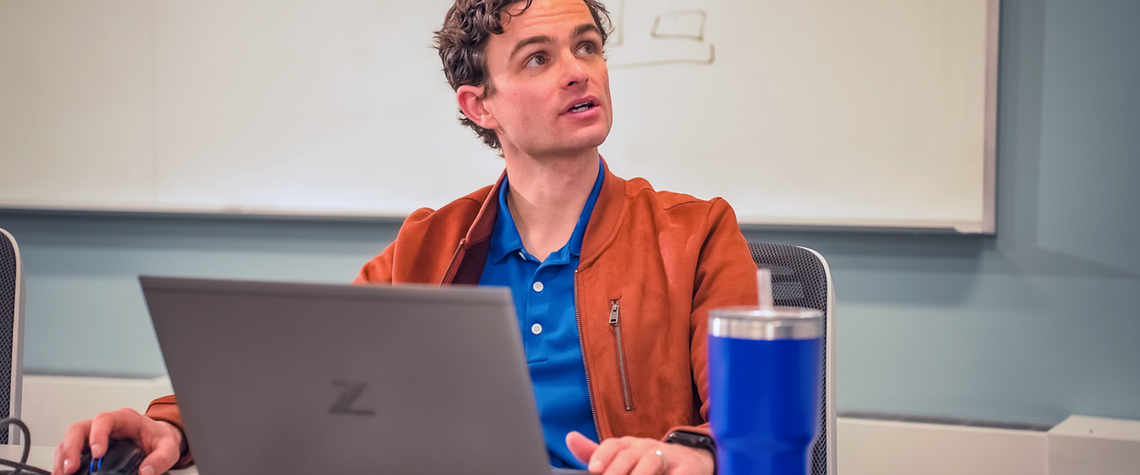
x=348 y=396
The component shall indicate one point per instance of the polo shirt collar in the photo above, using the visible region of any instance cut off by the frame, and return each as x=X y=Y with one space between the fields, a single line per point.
x=505 y=238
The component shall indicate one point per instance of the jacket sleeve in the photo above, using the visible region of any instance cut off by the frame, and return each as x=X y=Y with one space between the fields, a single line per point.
x=166 y=409
x=381 y=269
x=725 y=277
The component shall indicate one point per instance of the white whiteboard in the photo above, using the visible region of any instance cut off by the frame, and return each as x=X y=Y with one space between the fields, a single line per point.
x=868 y=113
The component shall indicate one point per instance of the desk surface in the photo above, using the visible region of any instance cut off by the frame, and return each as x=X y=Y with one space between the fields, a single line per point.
x=41 y=457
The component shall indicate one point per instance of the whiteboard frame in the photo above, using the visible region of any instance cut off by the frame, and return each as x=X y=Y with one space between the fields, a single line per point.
x=993 y=63
x=987 y=225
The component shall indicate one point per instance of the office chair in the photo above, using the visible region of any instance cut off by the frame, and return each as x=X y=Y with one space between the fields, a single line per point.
x=801 y=278
x=11 y=331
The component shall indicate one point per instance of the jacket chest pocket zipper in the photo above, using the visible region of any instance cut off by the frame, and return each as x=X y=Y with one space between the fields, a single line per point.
x=615 y=323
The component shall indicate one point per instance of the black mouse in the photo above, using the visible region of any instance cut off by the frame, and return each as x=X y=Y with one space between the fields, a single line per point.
x=122 y=458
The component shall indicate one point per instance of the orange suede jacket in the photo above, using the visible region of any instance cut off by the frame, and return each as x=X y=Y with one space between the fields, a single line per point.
x=652 y=265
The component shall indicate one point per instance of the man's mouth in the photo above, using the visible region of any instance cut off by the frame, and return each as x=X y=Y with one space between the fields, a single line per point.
x=582 y=106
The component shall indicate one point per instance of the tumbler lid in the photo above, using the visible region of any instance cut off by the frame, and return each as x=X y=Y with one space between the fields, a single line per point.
x=774 y=323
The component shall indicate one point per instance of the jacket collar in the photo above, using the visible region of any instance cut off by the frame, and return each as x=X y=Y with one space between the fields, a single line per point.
x=609 y=212
x=484 y=223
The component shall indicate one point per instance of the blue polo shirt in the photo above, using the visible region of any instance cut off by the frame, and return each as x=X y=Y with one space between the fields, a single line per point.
x=544 y=302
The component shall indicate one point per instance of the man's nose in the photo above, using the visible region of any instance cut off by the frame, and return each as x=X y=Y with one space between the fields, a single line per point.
x=574 y=73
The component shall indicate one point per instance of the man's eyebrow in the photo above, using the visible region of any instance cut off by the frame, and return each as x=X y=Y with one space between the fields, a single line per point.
x=530 y=41
x=586 y=28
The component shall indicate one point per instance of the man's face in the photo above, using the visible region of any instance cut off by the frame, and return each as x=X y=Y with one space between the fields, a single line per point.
x=552 y=88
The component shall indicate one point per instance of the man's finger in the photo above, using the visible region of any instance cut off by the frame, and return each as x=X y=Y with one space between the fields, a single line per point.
x=67 y=454
x=652 y=462
x=164 y=456
x=129 y=424
x=100 y=433
x=580 y=446
x=57 y=462
x=605 y=453
x=624 y=461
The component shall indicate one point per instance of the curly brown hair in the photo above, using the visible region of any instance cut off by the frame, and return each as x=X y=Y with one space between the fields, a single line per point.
x=462 y=44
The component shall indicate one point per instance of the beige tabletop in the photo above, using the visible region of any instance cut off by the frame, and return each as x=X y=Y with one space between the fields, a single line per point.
x=41 y=457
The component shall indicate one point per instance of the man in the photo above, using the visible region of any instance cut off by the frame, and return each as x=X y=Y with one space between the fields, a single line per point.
x=612 y=280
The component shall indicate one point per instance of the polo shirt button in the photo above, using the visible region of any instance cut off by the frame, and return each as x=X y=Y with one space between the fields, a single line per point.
x=537 y=288
x=536 y=328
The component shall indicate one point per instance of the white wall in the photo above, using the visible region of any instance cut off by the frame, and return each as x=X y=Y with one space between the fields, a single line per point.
x=52 y=403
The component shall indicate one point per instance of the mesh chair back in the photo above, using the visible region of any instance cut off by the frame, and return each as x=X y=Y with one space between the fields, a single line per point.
x=801 y=278
x=11 y=330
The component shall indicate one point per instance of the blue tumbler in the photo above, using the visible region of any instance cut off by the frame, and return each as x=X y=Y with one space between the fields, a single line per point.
x=764 y=384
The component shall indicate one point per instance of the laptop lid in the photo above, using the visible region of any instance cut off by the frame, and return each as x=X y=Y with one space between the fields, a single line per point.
x=312 y=378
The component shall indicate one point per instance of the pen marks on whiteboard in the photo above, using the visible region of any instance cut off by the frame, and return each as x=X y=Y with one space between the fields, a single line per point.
x=688 y=25
x=673 y=37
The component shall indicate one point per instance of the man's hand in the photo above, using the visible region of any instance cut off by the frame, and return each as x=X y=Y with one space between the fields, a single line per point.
x=636 y=456
x=160 y=440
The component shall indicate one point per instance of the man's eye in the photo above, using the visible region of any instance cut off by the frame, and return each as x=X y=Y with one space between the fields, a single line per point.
x=537 y=60
x=587 y=49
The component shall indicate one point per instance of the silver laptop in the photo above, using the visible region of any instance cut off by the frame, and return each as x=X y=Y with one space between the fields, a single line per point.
x=276 y=378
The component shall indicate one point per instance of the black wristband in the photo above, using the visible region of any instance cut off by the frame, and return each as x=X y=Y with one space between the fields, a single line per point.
x=694 y=440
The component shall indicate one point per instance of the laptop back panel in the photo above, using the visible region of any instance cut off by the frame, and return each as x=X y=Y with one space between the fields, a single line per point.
x=307 y=378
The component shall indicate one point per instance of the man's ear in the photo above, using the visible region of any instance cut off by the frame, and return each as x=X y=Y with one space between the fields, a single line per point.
x=474 y=108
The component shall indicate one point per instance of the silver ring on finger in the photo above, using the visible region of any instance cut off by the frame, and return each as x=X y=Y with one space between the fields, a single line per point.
x=664 y=461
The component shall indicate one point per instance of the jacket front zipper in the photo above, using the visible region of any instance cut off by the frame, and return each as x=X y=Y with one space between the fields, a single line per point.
x=615 y=322
x=585 y=365
x=447 y=272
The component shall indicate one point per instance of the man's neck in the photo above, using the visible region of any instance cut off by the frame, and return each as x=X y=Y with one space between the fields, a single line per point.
x=547 y=195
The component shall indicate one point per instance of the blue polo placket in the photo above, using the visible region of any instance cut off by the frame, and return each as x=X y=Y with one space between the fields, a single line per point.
x=543 y=293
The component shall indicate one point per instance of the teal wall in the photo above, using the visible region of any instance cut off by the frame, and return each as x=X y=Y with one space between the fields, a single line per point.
x=1031 y=325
